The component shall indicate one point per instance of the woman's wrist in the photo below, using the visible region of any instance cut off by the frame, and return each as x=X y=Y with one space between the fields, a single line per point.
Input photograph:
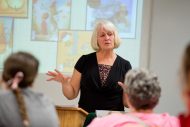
x=64 y=83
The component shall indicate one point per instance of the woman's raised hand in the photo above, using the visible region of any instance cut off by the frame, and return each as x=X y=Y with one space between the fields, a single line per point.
x=123 y=86
x=58 y=76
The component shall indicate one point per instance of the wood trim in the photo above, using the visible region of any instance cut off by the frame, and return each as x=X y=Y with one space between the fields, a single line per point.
x=71 y=116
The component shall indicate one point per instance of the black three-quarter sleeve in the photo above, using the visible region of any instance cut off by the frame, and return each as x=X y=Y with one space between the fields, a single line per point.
x=128 y=66
x=79 y=66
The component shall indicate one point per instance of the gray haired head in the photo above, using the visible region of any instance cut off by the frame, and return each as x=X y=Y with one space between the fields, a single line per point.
x=142 y=88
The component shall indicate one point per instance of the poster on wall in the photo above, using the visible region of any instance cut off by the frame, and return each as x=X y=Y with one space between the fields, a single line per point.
x=48 y=16
x=14 y=8
x=71 y=46
x=122 y=13
x=6 y=38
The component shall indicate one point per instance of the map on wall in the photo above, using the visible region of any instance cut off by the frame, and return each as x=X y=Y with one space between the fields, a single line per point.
x=121 y=12
x=6 y=38
x=48 y=16
x=71 y=46
x=14 y=8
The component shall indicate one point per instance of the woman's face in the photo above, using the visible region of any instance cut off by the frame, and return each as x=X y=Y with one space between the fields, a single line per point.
x=105 y=39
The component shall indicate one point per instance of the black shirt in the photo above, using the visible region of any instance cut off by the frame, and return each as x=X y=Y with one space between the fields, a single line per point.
x=93 y=95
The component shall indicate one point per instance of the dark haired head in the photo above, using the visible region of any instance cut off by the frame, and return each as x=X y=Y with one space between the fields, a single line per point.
x=143 y=89
x=19 y=71
x=20 y=62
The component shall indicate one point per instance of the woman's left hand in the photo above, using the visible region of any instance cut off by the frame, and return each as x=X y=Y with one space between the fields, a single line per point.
x=122 y=85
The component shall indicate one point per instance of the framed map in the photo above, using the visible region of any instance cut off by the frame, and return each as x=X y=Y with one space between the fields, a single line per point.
x=6 y=38
x=121 y=12
x=71 y=46
x=48 y=16
x=14 y=8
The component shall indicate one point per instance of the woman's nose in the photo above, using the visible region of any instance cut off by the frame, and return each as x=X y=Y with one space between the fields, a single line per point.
x=106 y=36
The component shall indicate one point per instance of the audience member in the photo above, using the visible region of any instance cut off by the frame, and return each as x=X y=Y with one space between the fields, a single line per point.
x=20 y=106
x=185 y=77
x=142 y=95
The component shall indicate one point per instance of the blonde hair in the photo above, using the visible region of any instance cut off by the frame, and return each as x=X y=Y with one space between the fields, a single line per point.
x=108 y=26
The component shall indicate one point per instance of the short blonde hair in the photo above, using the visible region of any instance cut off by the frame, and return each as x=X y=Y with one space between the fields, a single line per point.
x=108 y=26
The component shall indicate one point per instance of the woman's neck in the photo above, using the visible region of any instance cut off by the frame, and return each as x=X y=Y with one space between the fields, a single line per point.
x=106 y=54
x=106 y=57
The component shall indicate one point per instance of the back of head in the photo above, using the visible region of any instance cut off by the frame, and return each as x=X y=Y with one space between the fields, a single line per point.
x=143 y=89
x=185 y=81
x=21 y=62
x=19 y=71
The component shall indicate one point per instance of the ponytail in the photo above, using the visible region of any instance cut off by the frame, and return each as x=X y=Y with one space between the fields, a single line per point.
x=13 y=83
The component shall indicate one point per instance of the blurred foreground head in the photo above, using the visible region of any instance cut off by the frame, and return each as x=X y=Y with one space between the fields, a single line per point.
x=22 y=66
x=185 y=77
x=142 y=89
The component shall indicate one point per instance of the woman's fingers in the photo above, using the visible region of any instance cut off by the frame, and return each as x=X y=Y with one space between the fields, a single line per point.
x=50 y=79
x=122 y=85
x=58 y=72
x=56 y=76
x=50 y=73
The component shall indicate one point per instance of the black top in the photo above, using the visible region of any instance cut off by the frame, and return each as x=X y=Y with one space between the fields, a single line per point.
x=93 y=95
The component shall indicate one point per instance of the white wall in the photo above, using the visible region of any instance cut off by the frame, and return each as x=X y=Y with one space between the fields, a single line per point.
x=169 y=33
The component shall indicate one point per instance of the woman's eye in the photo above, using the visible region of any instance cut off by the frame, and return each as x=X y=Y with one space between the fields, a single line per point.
x=110 y=34
x=102 y=35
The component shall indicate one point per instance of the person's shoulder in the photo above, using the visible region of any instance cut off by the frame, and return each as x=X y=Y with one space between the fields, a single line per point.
x=5 y=97
x=109 y=120
x=37 y=96
x=167 y=115
x=4 y=93
x=167 y=119
x=87 y=57
x=122 y=59
x=162 y=116
x=184 y=118
x=89 y=54
x=124 y=62
x=84 y=60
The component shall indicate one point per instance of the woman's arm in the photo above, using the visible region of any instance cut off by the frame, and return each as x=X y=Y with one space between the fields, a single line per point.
x=124 y=87
x=71 y=89
x=70 y=85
